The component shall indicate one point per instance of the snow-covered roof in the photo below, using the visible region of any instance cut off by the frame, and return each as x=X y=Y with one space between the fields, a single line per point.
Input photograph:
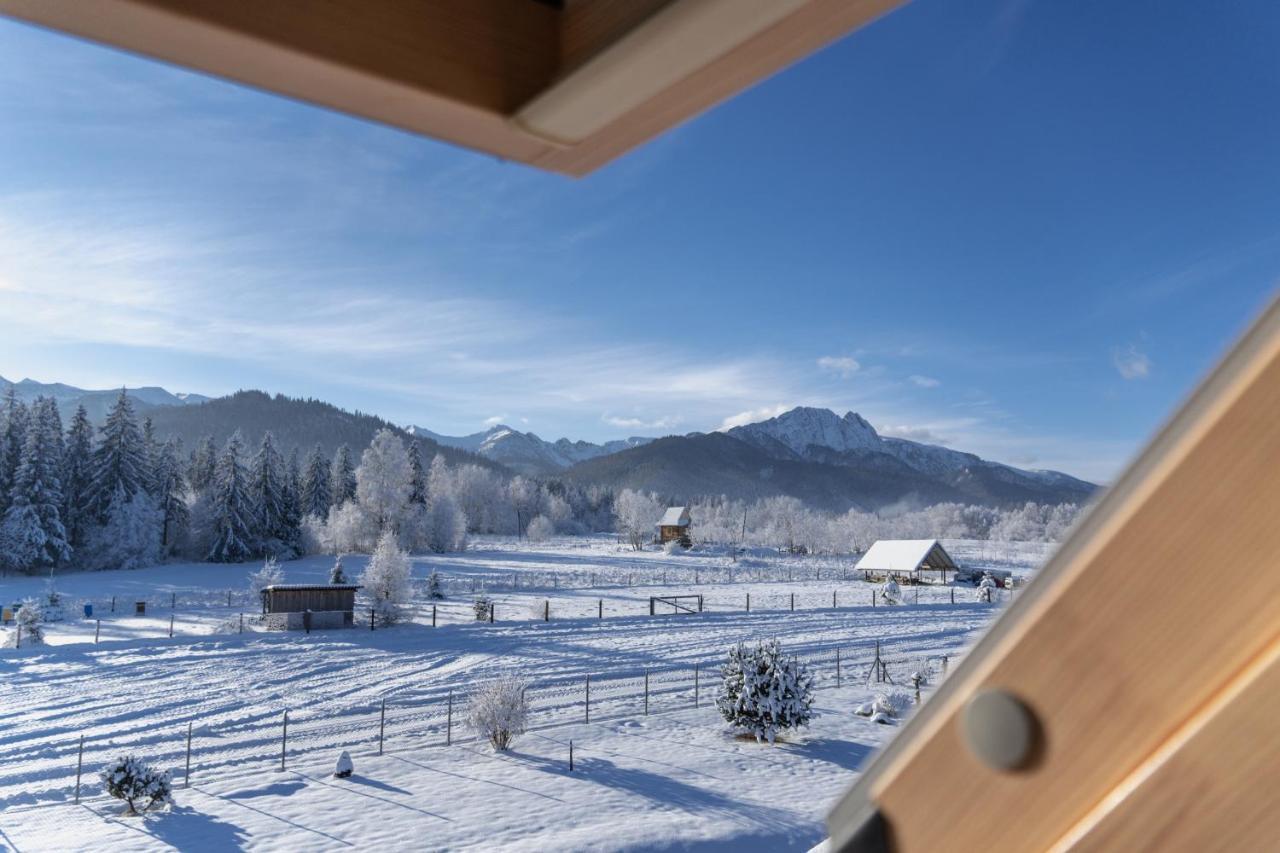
x=904 y=555
x=325 y=586
x=675 y=516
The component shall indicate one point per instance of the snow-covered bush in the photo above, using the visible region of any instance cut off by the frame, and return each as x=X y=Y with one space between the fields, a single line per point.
x=498 y=711
x=29 y=618
x=268 y=575
x=986 y=589
x=540 y=529
x=51 y=606
x=890 y=592
x=349 y=529
x=482 y=606
x=672 y=547
x=885 y=707
x=435 y=590
x=763 y=692
x=128 y=779
x=336 y=574
x=386 y=579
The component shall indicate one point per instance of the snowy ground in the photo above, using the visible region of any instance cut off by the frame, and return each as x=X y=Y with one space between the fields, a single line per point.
x=672 y=777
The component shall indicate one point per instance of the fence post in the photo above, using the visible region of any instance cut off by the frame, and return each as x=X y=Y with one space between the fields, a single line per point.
x=96 y=629
x=173 y=601
x=916 y=590
x=546 y=610
x=284 y=738
x=171 y=626
x=873 y=598
x=586 y=704
x=646 y=692
x=448 y=726
x=79 y=766
x=17 y=643
x=748 y=602
x=370 y=617
x=382 y=724
x=493 y=605
x=186 y=775
x=433 y=616
x=241 y=623
x=570 y=756
x=837 y=666
x=695 y=685
x=953 y=595
x=113 y=604
x=600 y=605
x=833 y=599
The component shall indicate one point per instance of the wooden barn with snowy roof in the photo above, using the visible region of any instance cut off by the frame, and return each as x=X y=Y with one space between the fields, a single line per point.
x=907 y=559
x=674 y=526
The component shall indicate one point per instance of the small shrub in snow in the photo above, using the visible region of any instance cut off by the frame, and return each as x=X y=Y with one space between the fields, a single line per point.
x=498 y=711
x=540 y=529
x=890 y=592
x=435 y=590
x=269 y=574
x=482 y=606
x=986 y=589
x=52 y=603
x=386 y=579
x=885 y=707
x=29 y=618
x=672 y=547
x=128 y=779
x=336 y=574
x=763 y=693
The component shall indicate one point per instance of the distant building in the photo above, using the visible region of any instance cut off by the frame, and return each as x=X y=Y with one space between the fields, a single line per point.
x=675 y=525
x=291 y=606
x=907 y=559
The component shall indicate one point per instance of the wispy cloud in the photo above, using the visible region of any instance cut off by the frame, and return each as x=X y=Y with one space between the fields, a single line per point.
x=662 y=423
x=842 y=366
x=1131 y=362
x=751 y=416
x=494 y=420
x=923 y=381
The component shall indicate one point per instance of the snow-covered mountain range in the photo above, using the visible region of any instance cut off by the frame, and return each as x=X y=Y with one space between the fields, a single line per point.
x=96 y=403
x=525 y=452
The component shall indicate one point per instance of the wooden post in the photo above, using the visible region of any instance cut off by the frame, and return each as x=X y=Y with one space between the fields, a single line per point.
x=493 y=605
x=916 y=590
x=873 y=598
x=97 y=627
x=793 y=602
x=173 y=601
x=371 y=618
x=186 y=775
x=695 y=685
x=570 y=756
x=546 y=610
x=79 y=766
x=953 y=595
x=228 y=598
x=171 y=626
x=748 y=602
x=448 y=726
x=241 y=623
x=113 y=604
x=17 y=642
x=433 y=616
x=284 y=738
x=382 y=724
x=600 y=606
x=833 y=599
x=586 y=704
x=837 y=666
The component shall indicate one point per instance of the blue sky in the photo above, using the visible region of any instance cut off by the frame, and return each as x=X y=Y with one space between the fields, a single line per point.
x=1022 y=229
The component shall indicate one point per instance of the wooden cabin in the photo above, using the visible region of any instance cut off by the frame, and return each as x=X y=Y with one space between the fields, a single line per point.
x=291 y=606
x=911 y=560
x=674 y=526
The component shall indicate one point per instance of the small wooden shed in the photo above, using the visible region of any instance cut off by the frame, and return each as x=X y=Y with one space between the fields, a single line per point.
x=329 y=605
x=907 y=559
x=674 y=526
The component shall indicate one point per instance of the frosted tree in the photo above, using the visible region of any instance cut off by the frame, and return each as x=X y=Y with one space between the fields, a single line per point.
x=890 y=592
x=269 y=575
x=291 y=500
x=150 y=455
x=231 y=509
x=986 y=589
x=265 y=490
x=342 y=477
x=762 y=692
x=130 y=538
x=77 y=468
x=383 y=480
x=119 y=460
x=540 y=529
x=203 y=467
x=349 y=529
x=498 y=711
x=445 y=525
x=13 y=436
x=386 y=579
x=336 y=574
x=169 y=495
x=637 y=513
x=30 y=625
x=129 y=779
x=435 y=588
x=417 y=475
x=315 y=496
x=32 y=534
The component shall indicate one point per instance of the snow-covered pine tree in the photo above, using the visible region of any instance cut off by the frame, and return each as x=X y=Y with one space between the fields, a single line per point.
x=203 y=466
x=762 y=692
x=386 y=579
x=418 y=475
x=336 y=574
x=383 y=480
x=13 y=435
x=151 y=456
x=292 y=500
x=119 y=460
x=315 y=498
x=77 y=468
x=32 y=534
x=233 y=537
x=30 y=624
x=342 y=478
x=435 y=589
x=265 y=489
x=170 y=498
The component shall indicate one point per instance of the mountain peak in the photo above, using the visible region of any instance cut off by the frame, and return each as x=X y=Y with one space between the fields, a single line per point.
x=806 y=426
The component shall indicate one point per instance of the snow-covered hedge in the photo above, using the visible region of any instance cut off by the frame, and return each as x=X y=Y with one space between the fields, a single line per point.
x=885 y=707
x=29 y=618
x=763 y=693
x=128 y=779
x=498 y=710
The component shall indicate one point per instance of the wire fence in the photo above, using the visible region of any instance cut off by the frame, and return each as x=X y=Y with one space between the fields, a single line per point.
x=65 y=766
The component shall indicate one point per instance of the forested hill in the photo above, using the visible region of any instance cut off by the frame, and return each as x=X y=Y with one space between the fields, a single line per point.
x=293 y=422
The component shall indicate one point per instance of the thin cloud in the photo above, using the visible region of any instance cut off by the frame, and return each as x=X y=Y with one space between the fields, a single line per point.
x=1131 y=362
x=667 y=422
x=494 y=420
x=752 y=416
x=923 y=381
x=843 y=366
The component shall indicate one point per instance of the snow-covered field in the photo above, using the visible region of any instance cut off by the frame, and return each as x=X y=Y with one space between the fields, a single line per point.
x=672 y=777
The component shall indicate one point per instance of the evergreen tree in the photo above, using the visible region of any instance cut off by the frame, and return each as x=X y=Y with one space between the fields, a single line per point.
x=13 y=435
x=292 y=514
x=204 y=462
x=315 y=485
x=168 y=491
x=77 y=469
x=119 y=461
x=418 y=476
x=33 y=534
x=232 y=518
x=151 y=458
x=342 y=478
x=267 y=496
